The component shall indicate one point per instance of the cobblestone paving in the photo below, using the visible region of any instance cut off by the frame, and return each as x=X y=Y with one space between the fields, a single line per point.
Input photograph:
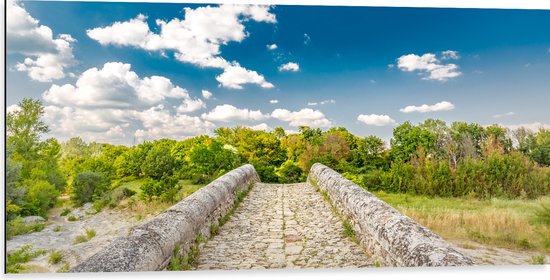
x=282 y=226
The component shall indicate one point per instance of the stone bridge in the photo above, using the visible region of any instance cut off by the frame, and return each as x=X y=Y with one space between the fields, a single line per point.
x=237 y=222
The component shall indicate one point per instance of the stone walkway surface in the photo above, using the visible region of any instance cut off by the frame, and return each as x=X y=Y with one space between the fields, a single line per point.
x=282 y=226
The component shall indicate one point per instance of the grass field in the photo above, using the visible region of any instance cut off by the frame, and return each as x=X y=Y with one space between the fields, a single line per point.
x=515 y=224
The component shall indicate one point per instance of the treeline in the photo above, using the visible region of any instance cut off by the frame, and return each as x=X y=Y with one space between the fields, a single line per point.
x=431 y=158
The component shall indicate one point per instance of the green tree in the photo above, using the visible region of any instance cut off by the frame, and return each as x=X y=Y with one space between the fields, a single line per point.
x=159 y=161
x=541 y=151
x=212 y=159
x=24 y=127
x=41 y=196
x=290 y=172
x=88 y=186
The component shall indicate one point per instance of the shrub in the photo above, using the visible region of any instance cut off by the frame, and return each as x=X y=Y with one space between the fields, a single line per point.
x=64 y=268
x=80 y=239
x=72 y=218
x=90 y=233
x=537 y=259
x=266 y=172
x=88 y=185
x=158 y=161
x=290 y=172
x=128 y=192
x=57 y=228
x=16 y=259
x=55 y=257
x=65 y=212
x=41 y=196
x=17 y=227
x=166 y=188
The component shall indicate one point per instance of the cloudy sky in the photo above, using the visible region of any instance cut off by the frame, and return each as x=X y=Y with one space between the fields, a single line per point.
x=127 y=72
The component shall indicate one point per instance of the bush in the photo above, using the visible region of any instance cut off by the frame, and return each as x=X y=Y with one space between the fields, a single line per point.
x=41 y=196
x=290 y=172
x=17 y=227
x=72 y=218
x=90 y=233
x=55 y=257
x=65 y=212
x=158 y=161
x=166 y=188
x=16 y=259
x=266 y=172
x=128 y=192
x=88 y=185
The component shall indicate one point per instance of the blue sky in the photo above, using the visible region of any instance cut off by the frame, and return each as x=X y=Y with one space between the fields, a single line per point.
x=367 y=69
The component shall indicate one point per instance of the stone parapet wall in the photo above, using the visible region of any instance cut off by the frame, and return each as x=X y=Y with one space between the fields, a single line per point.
x=391 y=237
x=149 y=247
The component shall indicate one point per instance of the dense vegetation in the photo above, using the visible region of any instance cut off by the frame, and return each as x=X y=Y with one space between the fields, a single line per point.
x=431 y=158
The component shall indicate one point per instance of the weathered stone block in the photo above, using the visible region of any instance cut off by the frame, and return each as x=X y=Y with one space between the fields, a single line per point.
x=390 y=236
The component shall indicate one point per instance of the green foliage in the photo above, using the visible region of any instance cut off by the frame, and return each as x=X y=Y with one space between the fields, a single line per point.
x=17 y=227
x=72 y=218
x=212 y=159
x=159 y=161
x=128 y=192
x=33 y=179
x=165 y=189
x=41 y=196
x=349 y=232
x=55 y=257
x=266 y=171
x=12 y=210
x=90 y=233
x=57 y=228
x=179 y=262
x=539 y=259
x=15 y=260
x=65 y=268
x=542 y=214
x=88 y=185
x=289 y=172
x=65 y=212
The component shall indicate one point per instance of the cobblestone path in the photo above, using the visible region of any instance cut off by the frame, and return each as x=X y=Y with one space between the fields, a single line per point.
x=282 y=226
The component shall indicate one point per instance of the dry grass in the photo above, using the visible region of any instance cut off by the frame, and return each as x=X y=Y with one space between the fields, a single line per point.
x=503 y=223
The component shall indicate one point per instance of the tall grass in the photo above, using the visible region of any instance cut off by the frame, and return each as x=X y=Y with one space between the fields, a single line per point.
x=505 y=223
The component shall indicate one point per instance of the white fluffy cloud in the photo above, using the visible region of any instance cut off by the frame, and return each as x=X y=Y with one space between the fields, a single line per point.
x=504 y=115
x=425 y=108
x=273 y=101
x=120 y=126
x=376 y=120
x=116 y=86
x=227 y=112
x=262 y=126
x=195 y=39
x=113 y=104
x=430 y=65
x=46 y=58
x=206 y=94
x=304 y=117
x=291 y=66
x=448 y=55
x=272 y=47
x=159 y=123
x=534 y=126
x=235 y=76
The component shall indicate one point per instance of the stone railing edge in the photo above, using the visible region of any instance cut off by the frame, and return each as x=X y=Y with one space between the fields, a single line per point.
x=149 y=247
x=391 y=237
